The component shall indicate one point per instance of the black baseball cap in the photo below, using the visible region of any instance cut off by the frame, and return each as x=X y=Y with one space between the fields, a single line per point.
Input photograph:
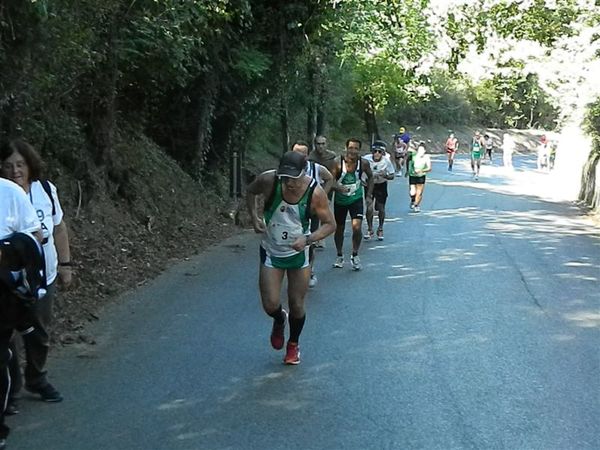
x=291 y=165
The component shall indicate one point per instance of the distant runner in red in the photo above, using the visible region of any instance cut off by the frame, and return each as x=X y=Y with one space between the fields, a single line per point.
x=451 y=148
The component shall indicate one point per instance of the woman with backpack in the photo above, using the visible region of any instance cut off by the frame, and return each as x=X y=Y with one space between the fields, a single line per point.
x=17 y=216
x=21 y=164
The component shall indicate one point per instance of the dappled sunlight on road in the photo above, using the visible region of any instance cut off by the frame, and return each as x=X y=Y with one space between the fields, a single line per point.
x=571 y=276
x=585 y=319
x=579 y=264
x=514 y=225
x=524 y=180
x=177 y=404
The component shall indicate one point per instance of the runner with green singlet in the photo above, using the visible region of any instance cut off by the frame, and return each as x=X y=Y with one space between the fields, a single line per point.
x=354 y=187
x=348 y=199
x=419 y=164
x=291 y=198
x=477 y=149
x=286 y=222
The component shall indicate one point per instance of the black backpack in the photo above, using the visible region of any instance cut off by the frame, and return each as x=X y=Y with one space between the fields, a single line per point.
x=23 y=268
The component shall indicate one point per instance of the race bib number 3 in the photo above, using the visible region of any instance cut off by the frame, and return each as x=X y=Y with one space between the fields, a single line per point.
x=285 y=234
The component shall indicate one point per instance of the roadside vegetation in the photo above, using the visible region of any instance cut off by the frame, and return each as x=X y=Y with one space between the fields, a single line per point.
x=141 y=107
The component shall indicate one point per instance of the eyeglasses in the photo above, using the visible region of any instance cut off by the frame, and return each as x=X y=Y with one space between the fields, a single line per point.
x=377 y=150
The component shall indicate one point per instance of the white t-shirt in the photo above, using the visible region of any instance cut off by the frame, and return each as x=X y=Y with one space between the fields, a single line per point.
x=16 y=212
x=381 y=167
x=43 y=207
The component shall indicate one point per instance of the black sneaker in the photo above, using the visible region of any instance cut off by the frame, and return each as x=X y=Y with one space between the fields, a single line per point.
x=47 y=392
x=12 y=408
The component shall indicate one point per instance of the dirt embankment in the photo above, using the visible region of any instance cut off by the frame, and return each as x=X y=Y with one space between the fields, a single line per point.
x=126 y=231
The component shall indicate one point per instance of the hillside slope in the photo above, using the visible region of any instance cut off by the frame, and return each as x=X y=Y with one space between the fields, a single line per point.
x=126 y=230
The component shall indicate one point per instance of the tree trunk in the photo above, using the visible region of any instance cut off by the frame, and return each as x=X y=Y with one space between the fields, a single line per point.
x=103 y=117
x=284 y=123
x=321 y=99
x=320 y=120
x=311 y=110
x=283 y=94
x=204 y=115
x=590 y=182
x=370 y=119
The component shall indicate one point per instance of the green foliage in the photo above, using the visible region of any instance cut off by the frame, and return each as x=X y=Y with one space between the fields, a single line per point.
x=513 y=101
x=382 y=42
x=197 y=76
x=538 y=22
x=447 y=103
x=250 y=63
x=592 y=123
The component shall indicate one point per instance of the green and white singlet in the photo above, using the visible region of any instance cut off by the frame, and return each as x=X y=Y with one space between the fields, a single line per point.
x=353 y=181
x=417 y=165
x=285 y=223
x=476 y=149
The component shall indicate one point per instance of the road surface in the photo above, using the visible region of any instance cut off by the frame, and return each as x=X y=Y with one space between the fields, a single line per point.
x=474 y=325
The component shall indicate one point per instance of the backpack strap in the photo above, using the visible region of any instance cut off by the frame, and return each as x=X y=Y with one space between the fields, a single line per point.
x=48 y=190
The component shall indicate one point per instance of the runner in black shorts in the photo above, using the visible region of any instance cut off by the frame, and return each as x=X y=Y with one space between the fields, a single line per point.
x=349 y=199
x=419 y=164
x=383 y=171
x=356 y=211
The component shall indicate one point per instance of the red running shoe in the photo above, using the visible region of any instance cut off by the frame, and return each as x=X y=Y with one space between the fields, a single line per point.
x=292 y=354
x=277 y=336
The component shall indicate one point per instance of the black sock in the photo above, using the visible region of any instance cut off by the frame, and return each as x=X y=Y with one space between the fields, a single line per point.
x=296 y=326
x=278 y=315
x=412 y=198
x=354 y=253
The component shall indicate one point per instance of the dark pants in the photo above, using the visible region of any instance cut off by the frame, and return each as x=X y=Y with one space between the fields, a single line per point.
x=36 y=342
x=5 y=356
x=12 y=313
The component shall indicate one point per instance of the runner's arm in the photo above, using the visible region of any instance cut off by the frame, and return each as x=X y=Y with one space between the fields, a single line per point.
x=320 y=208
x=366 y=167
x=262 y=185
x=428 y=166
x=327 y=178
x=336 y=186
x=389 y=170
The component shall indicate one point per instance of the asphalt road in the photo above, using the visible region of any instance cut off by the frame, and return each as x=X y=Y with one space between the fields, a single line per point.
x=474 y=325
